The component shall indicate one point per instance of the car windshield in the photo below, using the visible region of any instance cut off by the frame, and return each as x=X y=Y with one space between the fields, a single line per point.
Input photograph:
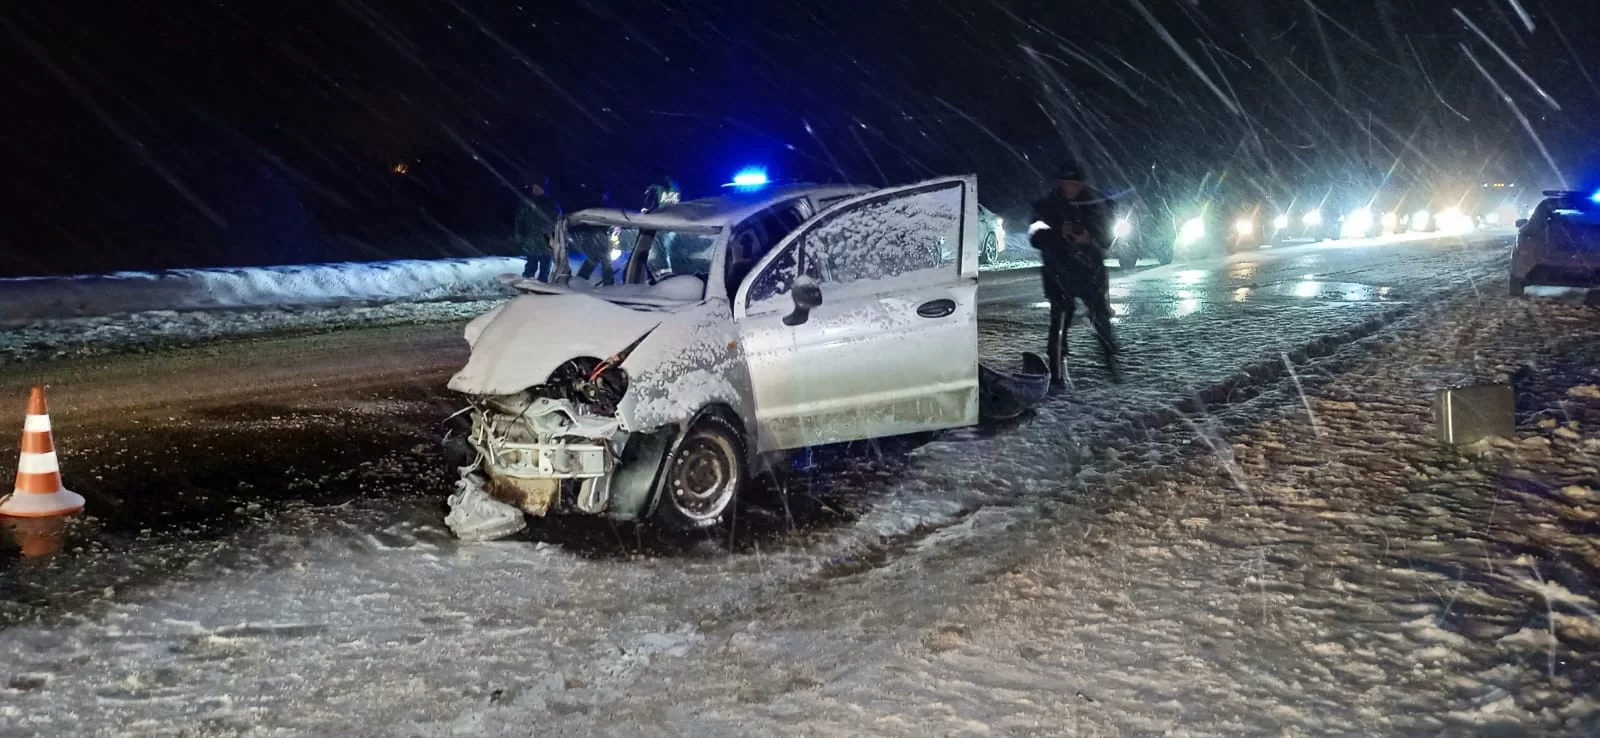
x=601 y=253
x=676 y=252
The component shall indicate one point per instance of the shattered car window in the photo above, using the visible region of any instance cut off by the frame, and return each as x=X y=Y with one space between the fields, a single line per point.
x=673 y=253
x=592 y=245
x=894 y=236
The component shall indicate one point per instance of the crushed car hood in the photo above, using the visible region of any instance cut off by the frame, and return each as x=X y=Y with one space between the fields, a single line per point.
x=520 y=343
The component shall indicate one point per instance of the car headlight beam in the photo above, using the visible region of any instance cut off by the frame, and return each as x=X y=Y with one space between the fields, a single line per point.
x=1191 y=232
x=1357 y=224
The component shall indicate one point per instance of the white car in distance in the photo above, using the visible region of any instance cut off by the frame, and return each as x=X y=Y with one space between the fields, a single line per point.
x=741 y=325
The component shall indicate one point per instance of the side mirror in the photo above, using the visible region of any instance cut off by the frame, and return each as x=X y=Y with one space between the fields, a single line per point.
x=807 y=296
x=1522 y=222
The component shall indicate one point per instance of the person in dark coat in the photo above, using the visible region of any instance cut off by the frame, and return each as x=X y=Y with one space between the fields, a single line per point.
x=536 y=224
x=595 y=245
x=1072 y=230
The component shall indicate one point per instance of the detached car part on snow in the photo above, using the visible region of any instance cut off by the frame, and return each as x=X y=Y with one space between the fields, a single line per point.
x=741 y=326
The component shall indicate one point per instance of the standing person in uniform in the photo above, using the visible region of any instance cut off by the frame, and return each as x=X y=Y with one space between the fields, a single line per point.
x=1072 y=230
x=663 y=191
x=536 y=223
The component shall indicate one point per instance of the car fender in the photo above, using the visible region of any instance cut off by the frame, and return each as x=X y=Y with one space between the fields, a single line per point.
x=694 y=360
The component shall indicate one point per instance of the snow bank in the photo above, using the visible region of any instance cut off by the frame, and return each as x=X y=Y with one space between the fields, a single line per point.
x=27 y=299
x=91 y=295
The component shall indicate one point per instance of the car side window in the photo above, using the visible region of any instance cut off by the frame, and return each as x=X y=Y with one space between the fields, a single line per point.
x=768 y=229
x=896 y=234
x=779 y=277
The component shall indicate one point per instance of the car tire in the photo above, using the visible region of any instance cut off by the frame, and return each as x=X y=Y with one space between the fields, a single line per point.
x=990 y=252
x=703 y=475
x=1518 y=287
x=1128 y=261
x=1164 y=257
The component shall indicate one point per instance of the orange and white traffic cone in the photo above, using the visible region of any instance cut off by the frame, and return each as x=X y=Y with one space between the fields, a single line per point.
x=37 y=537
x=39 y=493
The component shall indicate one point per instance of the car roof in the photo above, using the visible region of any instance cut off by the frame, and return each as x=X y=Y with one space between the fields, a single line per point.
x=725 y=210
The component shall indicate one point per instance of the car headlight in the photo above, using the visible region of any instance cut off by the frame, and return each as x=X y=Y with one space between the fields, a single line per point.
x=1281 y=222
x=1191 y=232
x=1419 y=220
x=1244 y=226
x=1492 y=219
x=1313 y=218
x=999 y=234
x=1122 y=228
x=1391 y=221
x=1452 y=219
x=1357 y=223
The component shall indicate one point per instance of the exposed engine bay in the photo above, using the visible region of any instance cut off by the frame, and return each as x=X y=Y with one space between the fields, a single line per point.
x=554 y=445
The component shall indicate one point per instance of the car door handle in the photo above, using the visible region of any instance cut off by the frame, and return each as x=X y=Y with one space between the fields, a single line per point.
x=936 y=308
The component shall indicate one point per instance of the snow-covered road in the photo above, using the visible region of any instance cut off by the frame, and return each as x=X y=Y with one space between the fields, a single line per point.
x=269 y=557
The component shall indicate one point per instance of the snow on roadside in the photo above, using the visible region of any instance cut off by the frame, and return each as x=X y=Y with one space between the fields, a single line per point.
x=24 y=299
x=58 y=317
x=162 y=329
x=1345 y=577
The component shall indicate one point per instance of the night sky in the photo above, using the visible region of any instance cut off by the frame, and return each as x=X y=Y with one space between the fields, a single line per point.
x=153 y=135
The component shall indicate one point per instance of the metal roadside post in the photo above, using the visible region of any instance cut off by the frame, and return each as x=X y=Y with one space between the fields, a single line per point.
x=1465 y=415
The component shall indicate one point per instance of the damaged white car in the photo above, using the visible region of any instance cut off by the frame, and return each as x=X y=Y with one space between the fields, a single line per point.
x=738 y=326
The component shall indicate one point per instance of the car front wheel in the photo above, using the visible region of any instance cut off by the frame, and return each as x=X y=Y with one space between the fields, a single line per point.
x=990 y=252
x=1517 y=287
x=703 y=475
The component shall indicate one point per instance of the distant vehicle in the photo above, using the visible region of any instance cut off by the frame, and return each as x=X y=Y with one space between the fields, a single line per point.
x=1305 y=223
x=1500 y=204
x=765 y=320
x=1135 y=236
x=992 y=232
x=1219 y=226
x=1559 y=243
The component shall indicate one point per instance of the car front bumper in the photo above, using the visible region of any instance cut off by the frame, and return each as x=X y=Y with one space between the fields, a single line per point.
x=547 y=454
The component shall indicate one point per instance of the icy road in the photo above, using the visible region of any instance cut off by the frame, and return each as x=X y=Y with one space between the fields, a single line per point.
x=1252 y=535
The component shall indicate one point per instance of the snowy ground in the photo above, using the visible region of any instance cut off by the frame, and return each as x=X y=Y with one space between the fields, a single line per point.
x=1343 y=577
x=1092 y=568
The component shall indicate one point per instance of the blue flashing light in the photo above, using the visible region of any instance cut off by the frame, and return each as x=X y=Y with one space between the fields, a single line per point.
x=751 y=178
x=1596 y=196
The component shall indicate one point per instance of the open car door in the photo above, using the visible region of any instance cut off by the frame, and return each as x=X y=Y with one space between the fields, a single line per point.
x=862 y=323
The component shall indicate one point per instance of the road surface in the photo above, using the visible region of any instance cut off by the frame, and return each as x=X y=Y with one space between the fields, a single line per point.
x=265 y=551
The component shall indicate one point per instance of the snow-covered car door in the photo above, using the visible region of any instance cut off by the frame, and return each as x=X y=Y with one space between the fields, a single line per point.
x=891 y=345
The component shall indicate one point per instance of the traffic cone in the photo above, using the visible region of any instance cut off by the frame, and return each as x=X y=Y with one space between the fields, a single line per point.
x=37 y=537
x=39 y=493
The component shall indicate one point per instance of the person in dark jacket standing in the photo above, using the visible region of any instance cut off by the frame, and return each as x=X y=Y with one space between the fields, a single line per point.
x=1072 y=229
x=536 y=224
x=595 y=245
